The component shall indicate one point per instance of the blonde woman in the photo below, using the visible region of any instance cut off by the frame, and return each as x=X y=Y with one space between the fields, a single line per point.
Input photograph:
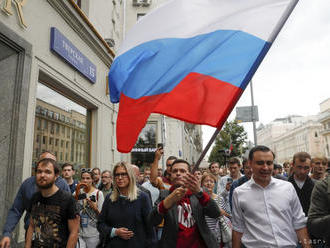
x=123 y=219
x=90 y=201
x=208 y=181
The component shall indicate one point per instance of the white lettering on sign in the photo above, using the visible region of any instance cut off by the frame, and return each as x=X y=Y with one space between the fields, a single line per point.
x=72 y=52
x=146 y=149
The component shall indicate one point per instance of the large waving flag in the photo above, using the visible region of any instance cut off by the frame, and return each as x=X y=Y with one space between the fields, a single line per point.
x=191 y=60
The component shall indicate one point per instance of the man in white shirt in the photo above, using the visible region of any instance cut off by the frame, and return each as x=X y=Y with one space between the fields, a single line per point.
x=266 y=210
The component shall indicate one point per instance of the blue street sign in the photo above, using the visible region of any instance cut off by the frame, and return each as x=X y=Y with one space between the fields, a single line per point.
x=65 y=49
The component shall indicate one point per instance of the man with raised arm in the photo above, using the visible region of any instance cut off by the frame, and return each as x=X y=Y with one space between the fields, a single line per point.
x=183 y=208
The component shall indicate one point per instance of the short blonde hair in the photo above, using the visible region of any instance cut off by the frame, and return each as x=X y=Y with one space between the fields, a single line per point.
x=132 y=189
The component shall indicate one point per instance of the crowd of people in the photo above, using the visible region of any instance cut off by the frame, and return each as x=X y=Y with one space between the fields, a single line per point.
x=253 y=203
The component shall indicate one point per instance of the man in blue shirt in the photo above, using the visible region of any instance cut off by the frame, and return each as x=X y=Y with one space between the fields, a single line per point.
x=22 y=202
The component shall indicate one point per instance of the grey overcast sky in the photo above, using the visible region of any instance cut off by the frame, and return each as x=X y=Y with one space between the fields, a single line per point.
x=294 y=76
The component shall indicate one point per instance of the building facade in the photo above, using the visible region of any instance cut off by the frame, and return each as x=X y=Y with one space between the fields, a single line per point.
x=107 y=17
x=304 y=138
x=324 y=119
x=54 y=94
x=286 y=136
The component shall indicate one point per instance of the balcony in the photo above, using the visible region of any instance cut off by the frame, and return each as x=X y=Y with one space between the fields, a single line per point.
x=324 y=116
x=325 y=131
x=143 y=3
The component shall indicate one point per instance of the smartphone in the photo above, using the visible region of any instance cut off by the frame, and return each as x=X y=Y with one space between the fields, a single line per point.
x=160 y=145
x=82 y=196
x=229 y=180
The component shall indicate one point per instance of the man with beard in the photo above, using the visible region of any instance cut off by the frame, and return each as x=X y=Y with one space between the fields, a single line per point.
x=54 y=220
x=266 y=211
x=183 y=208
x=22 y=201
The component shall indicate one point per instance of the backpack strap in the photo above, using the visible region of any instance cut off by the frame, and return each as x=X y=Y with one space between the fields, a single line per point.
x=97 y=195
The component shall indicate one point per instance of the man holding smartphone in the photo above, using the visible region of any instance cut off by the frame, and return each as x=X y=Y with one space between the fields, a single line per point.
x=163 y=182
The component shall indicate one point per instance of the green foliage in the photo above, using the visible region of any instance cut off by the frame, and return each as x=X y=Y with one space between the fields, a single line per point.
x=231 y=133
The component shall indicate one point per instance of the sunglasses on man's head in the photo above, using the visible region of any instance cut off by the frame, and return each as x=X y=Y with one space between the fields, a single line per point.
x=86 y=170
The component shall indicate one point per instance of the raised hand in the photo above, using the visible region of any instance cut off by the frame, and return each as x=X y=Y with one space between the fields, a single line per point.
x=174 y=197
x=192 y=183
x=159 y=153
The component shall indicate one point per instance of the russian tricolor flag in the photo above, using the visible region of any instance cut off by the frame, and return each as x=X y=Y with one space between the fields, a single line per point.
x=191 y=60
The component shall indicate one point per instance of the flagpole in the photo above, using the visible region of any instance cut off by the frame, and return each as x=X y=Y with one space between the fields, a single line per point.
x=206 y=149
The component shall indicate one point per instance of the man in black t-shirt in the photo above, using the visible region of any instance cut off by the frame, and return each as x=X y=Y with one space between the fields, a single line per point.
x=54 y=218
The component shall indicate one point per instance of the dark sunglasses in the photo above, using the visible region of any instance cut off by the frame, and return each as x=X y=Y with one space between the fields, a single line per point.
x=117 y=175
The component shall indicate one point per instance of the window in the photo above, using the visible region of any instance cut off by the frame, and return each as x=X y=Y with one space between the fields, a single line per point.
x=140 y=15
x=52 y=128
x=44 y=111
x=65 y=120
x=38 y=109
x=45 y=124
x=38 y=123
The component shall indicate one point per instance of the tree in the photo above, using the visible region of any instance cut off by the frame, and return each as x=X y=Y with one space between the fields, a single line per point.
x=231 y=135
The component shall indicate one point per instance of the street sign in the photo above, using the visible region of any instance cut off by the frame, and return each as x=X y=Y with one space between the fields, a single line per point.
x=71 y=54
x=247 y=114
